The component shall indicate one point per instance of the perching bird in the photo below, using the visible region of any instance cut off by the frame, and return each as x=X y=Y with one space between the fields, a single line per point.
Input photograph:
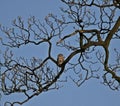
x=60 y=59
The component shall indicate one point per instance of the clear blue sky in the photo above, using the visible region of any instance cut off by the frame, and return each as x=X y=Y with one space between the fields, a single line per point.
x=92 y=93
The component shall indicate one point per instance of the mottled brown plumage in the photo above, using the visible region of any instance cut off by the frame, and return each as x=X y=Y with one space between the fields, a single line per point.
x=60 y=59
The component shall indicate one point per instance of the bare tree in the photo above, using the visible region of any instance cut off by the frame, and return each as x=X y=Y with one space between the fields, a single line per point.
x=85 y=30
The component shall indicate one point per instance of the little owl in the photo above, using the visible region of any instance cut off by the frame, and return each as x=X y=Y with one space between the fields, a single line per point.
x=60 y=59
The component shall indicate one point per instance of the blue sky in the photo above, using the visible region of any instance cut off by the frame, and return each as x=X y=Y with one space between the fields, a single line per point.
x=92 y=93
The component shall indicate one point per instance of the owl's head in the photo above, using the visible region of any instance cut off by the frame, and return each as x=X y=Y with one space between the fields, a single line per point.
x=60 y=55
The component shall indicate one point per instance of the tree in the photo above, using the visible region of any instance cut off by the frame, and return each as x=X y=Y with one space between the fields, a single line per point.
x=85 y=32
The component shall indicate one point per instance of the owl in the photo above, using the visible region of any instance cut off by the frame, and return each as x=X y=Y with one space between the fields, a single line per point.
x=60 y=59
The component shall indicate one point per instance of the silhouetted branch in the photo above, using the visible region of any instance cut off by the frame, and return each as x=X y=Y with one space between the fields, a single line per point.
x=84 y=32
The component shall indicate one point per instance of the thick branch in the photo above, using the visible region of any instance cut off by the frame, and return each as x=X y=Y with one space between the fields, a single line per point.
x=111 y=33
